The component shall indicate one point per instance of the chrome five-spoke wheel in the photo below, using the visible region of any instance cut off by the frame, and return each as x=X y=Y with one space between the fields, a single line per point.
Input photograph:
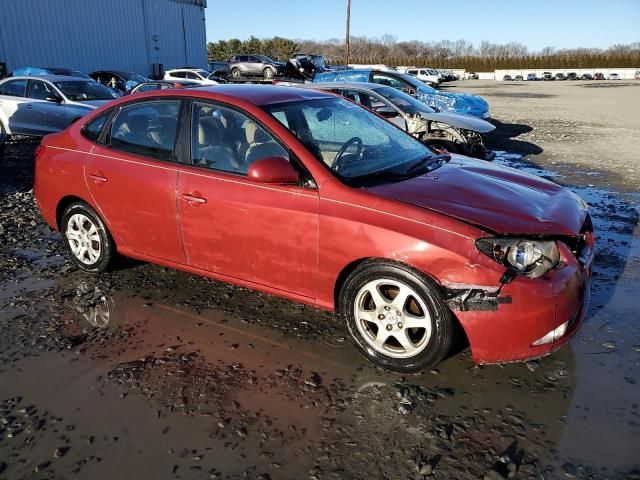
x=392 y=318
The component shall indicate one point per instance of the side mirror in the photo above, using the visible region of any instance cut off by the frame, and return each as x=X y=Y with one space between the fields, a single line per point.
x=386 y=112
x=273 y=170
x=53 y=99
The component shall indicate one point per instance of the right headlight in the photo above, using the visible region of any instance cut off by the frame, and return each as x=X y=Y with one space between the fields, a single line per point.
x=530 y=258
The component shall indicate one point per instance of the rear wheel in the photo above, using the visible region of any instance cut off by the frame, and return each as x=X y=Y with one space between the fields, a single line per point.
x=396 y=317
x=235 y=72
x=87 y=238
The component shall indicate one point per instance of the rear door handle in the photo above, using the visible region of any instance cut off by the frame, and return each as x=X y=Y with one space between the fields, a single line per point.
x=193 y=198
x=29 y=105
x=98 y=178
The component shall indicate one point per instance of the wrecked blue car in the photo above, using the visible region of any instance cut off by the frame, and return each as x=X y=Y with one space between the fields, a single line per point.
x=436 y=99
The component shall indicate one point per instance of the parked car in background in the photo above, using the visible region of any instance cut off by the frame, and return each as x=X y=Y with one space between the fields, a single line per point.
x=547 y=76
x=572 y=76
x=303 y=66
x=598 y=76
x=518 y=78
x=436 y=99
x=451 y=132
x=532 y=77
x=423 y=75
x=161 y=85
x=255 y=65
x=405 y=244
x=613 y=76
x=120 y=80
x=637 y=75
x=473 y=76
x=43 y=104
x=197 y=75
x=586 y=76
x=560 y=76
x=507 y=78
x=68 y=72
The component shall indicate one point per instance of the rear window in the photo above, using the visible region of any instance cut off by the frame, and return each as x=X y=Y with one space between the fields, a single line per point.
x=93 y=129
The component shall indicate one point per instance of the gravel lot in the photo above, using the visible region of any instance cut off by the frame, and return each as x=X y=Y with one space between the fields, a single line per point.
x=152 y=373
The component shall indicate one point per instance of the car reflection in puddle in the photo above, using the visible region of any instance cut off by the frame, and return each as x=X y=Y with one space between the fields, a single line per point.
x=320 y=402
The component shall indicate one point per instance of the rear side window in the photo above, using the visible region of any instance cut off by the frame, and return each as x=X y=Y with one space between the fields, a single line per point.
x=93 y=129
x=147 y=129
x=15 y=88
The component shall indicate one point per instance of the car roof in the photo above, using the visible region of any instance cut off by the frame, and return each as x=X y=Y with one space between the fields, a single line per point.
x=258 y=95
x=50 y=78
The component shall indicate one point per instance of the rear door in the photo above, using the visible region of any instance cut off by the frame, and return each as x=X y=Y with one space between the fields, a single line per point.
x=233 y=226
x=14 y=107
x=132 y=177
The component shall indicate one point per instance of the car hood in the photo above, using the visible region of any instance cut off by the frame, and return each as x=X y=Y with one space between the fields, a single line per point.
x=447 y=101
x=500 y=199
x=460 y=120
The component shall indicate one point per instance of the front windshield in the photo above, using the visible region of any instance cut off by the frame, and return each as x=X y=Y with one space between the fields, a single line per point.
x=81 y=91
x=349 y=139
x=404 y=101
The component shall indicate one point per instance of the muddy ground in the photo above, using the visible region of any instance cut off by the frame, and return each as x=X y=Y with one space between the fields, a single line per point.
x=152 y=373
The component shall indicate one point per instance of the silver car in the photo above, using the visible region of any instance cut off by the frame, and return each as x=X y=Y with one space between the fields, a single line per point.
x=450 y=131
x=39 y=105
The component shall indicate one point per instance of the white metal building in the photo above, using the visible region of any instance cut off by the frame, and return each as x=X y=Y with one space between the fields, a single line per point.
x=89 y=35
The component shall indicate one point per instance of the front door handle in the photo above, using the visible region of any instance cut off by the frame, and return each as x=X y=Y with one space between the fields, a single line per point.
x=29 y=105
x=193 y=198
x=98 y=178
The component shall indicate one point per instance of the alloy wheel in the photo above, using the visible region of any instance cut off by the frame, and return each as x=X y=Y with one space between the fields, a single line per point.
x=84 y=239
x=392 y=318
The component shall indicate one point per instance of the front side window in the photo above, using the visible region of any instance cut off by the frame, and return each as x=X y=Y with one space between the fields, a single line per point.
x=41 y=90
x=14 y=88
x=148 y=87
x=351 y=141
x=147 y=129
x=226 y=140
x=179 y=74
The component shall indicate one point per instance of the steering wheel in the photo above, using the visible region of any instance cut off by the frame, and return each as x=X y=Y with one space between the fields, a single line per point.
x=338 y=163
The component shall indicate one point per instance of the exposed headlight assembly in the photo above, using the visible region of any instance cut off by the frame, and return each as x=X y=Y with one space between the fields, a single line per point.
x=529 y=258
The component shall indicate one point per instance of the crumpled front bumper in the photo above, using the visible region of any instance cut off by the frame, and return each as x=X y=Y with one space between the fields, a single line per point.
x=530 y=309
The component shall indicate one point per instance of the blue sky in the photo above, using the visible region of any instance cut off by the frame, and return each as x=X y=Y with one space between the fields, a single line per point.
x=537 y=23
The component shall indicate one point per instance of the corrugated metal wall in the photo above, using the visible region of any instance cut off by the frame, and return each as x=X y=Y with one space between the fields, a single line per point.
x=103 y=34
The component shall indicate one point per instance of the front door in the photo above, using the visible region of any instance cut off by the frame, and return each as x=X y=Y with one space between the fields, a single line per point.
x=47 y=116
x=266 y=234
x=132 y=178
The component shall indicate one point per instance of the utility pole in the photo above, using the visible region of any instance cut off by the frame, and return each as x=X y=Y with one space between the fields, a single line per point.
x=346 y=42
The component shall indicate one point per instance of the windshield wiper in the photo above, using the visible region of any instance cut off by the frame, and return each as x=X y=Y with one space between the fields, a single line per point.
x=428 y=161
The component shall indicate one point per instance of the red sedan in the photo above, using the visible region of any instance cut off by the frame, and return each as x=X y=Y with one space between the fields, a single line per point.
x=305 y=195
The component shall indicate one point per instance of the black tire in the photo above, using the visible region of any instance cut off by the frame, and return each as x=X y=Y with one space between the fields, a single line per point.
x=89 y=260
x=3 y=135
x=235 y=72
x=443 y=330
x=442 y=145
x=268 y=73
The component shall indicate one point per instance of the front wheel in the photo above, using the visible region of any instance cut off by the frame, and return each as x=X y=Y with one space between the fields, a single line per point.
x=235 y=72
x=3 y=135
x=268 y=73
x=87 y=238
x=396 y=317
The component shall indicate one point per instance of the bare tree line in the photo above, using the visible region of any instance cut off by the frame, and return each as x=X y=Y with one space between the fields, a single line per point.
x=486 y=56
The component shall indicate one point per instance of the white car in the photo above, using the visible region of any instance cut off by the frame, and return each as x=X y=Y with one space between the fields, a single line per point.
x=613 y=76
x=423 y=74
x=44 y=104
x=198 y=75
